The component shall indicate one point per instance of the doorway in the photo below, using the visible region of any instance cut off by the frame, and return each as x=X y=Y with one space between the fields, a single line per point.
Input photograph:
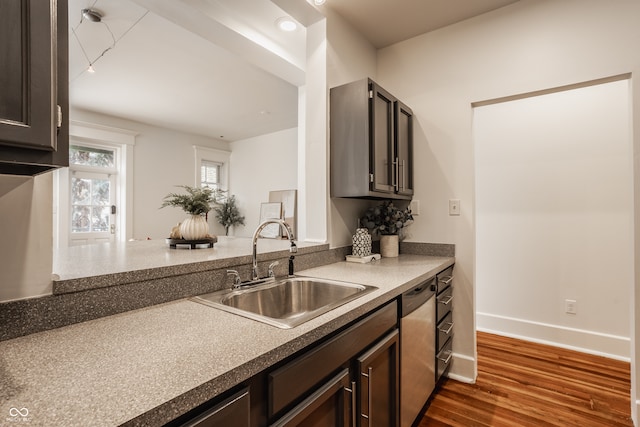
x=554 y=217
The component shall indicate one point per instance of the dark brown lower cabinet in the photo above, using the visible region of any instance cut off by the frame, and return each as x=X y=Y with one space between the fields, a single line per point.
x=233 y=411
x=378 y=401
x=329 y=406
x=349 y=380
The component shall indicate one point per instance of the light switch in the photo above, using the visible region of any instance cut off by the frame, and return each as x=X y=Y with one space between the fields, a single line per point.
x=454 y=206
x=415 y=207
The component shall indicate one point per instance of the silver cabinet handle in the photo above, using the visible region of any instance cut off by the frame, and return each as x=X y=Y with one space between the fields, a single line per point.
x=352 y=390
x=446 y=301
x=448 y=331
x=368 y=375
x=446 y=279
x=446 y=361
x=397 y=174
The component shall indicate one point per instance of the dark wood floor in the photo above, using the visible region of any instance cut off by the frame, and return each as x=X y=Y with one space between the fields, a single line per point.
x=523 y=384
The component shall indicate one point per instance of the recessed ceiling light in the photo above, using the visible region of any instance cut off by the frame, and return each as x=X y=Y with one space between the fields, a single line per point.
x=319 y=2
x=286 y=24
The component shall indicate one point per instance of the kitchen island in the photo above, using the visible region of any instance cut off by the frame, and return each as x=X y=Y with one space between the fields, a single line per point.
x=149 y=366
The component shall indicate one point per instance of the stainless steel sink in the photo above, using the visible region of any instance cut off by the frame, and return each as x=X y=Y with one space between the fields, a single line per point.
x=288 y=302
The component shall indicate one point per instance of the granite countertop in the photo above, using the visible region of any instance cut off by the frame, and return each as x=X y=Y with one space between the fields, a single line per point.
x=78 y=268
x=147 y=366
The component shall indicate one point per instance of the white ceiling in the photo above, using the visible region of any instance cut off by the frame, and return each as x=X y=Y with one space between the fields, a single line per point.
x=220 y=68
x=385 y=22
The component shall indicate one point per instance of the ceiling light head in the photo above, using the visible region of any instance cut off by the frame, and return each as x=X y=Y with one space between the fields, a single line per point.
x=319 y=2
x=286 y=24
x=92 y=15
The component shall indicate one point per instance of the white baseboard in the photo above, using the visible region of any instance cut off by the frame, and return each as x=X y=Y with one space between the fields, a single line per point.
x=611 y=346
x=463 y=369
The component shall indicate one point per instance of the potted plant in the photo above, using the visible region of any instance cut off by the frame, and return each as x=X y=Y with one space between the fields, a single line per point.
x=197 y=203
x=389 y=222
x=228 y=215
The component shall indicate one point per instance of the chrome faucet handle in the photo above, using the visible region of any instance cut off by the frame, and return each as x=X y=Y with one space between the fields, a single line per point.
x=236 y=277
x=271 y=267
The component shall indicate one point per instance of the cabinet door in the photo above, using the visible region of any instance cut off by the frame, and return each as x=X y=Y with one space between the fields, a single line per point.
x=382 y=153
x=27 y=73
x=233 y=411
x=329 y=406
x=33 y=85
x=404 y=148
x=378 y=401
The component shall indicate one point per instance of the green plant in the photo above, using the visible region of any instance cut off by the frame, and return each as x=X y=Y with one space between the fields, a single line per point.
x=197 y=201
x=386 y=219
x=228 y=214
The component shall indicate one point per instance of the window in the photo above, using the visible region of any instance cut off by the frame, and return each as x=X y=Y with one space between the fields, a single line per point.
x=210 y=174
x=100 y=160
x=212 y=167
x=92 y=181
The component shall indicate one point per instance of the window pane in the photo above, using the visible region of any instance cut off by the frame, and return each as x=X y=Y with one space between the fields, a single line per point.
x=100 y=192
x=90 y=205
x=80 y=191
x=80 y=221
x=89 y=156
x=100 y=218
x=210 y=174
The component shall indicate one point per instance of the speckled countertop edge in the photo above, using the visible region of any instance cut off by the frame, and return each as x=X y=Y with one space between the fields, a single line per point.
x=80 y=268
x=146 y=366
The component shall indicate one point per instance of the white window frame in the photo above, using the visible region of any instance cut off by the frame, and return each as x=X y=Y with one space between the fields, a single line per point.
x=89 y=134
x=215 y=156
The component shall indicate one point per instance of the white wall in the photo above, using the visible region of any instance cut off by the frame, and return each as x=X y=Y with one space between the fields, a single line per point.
x=554 y=218
x=260 y=165
x=162 y=159
x=527 y=46
x=350 y=57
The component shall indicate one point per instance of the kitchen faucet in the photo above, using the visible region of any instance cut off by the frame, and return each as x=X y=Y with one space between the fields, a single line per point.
x=293 y=249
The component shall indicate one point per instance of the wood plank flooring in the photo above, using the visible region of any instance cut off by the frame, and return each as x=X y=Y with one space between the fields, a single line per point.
x=523 y=384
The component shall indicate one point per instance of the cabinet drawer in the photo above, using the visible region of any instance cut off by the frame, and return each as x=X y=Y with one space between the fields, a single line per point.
x=295 y=379
x=445 y=331
x=443 y=359
x=233 y=411
x=444 y=303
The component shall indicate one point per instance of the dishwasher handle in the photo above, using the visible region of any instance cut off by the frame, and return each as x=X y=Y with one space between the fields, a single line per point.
x=417 y=296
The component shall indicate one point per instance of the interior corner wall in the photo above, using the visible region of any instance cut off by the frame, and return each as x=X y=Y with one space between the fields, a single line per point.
x=554 y=218
x=527 y=46
x=350 y=57
x=26 y=258
x=260 y=165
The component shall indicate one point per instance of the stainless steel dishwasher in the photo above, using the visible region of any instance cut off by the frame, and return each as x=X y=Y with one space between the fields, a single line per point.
x=417 y=349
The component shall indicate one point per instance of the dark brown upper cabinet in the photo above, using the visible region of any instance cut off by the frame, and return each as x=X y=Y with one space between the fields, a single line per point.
x=371 y=145
x=34 y=99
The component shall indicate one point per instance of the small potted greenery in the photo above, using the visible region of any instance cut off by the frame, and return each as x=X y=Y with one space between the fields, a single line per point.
x=389 y=222
x=228 y=215
x=197 y=203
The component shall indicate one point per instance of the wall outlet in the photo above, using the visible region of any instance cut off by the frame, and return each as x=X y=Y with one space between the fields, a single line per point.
x=570 y=306
x=454 y=206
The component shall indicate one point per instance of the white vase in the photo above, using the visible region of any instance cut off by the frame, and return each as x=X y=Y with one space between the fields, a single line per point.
x=195 y=227
x=389 y=246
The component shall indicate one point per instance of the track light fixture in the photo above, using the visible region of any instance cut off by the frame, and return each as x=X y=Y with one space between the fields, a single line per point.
x=91 y=15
